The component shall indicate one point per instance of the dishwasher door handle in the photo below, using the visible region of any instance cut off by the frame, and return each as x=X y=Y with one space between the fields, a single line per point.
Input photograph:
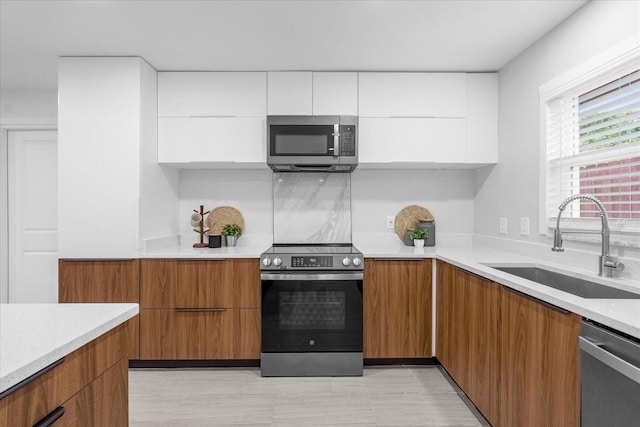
x=611 y=360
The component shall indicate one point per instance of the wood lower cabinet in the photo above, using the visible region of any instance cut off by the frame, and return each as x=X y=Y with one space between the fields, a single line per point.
x=200 y=309
x=103 y=403
x=174 y=335
x=516 y=358
x=467 y=334
x=103 y=281
x=539 y=364
x=397 y=308
x=91 y=384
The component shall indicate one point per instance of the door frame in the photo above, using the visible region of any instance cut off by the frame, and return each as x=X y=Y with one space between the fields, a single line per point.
x=4 y=200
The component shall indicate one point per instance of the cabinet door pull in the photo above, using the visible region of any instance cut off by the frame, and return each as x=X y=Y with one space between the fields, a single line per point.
x=539 y=301
x=199 y=310
x=26 y=381
x=400 y=259
x=53 y=416
x=200 y=259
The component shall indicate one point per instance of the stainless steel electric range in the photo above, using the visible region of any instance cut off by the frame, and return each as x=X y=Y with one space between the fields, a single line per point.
x=311 y=310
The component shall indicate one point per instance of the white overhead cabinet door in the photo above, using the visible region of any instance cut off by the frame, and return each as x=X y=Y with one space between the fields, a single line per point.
x=335 y=94
x=212 y=118
x=192 y=140
x=290 y=93
x=427 y=120
x=211 y=94
x=412 y=95
x=411 y=141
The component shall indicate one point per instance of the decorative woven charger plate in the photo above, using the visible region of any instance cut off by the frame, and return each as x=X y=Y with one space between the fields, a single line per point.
x=409 y=217
x=221 y=216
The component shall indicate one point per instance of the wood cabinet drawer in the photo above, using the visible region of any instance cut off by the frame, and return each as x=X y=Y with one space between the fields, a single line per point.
x=170 y=283
x=173 y=335
x=36 y=399
x=103 y=281
x=103 y=403
x=98 y=281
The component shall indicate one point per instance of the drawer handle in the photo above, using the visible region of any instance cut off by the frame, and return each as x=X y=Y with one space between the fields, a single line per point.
x=539 y=301
x=31 y=378
x=199 y=310
x=54 y=416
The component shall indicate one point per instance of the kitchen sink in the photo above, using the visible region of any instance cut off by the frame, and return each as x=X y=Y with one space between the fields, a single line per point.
x=565 y=283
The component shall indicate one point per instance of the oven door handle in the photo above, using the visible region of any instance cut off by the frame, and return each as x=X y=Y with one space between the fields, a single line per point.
x=311 y=276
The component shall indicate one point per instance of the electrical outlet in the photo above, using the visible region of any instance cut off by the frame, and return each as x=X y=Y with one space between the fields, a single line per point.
x=524 y=226
x=391 y=222
x=503 y=225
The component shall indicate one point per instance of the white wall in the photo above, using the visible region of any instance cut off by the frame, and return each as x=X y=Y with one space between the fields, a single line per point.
x=249 y=191
x=24 y=107
x=374 y=194
x=447 y=194
x=158 y=183
x=4 y=220
x=511 y=188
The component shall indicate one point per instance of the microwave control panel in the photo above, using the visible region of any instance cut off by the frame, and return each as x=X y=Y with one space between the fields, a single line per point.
x=347 y=140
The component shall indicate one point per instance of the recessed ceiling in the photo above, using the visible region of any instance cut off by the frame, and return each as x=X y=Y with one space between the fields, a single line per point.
x=451 y=35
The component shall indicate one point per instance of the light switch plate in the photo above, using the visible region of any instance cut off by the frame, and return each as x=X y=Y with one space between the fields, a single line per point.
x=503 y=225
x=524 y=226
x=391 y=222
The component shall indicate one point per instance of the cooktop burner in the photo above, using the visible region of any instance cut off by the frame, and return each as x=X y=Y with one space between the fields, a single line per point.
x=312 y=257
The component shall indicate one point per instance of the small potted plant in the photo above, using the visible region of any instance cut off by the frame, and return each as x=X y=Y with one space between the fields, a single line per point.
x=419 y=235
x=231 y=232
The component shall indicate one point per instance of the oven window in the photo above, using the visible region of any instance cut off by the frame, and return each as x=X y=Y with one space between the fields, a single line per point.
x=312 y=310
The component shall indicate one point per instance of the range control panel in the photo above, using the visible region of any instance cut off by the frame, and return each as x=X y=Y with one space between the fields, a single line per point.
x=311 y=262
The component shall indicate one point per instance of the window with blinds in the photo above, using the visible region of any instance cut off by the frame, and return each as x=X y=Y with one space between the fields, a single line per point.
x=593 y=147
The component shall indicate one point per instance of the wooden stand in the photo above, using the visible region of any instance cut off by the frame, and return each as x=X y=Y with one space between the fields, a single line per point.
x=202 y=230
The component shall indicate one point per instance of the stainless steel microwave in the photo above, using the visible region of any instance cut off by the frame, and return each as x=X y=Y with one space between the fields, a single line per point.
x=312 y=143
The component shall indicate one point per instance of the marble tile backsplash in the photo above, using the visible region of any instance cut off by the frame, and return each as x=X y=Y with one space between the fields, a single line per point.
x=311 y=208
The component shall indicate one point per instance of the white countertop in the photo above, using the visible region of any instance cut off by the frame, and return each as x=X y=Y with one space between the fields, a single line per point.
x=623 y=315
x=187 y=252
x=33 y=336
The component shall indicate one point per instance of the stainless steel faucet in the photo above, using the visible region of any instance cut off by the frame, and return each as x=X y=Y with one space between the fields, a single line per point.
x=608 y=263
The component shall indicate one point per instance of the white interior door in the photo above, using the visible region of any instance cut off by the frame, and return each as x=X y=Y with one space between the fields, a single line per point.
x=33 y=221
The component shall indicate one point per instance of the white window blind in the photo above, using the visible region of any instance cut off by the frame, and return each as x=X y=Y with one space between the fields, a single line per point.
x=593 y=147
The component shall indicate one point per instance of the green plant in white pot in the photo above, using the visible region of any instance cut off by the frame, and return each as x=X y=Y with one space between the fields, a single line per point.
x=418 y=236
x=231 y=232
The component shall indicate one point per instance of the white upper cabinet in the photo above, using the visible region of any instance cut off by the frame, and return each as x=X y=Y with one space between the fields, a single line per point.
x=195 y=142
x=429 y=120
x=482 y=118
x=335 y=94
x=212 y=119
x=412 y=95
x=212 y=94
x=411 y=141
x=289 y=92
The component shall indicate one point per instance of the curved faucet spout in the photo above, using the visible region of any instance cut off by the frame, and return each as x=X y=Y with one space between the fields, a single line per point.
x=607 y=262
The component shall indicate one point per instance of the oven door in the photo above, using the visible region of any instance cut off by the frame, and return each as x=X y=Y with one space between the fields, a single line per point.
x=311 y=312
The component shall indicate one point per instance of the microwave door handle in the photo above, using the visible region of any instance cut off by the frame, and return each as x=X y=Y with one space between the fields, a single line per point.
x=336 y=140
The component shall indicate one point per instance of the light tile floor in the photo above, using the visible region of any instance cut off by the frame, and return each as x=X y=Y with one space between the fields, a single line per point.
x=389 y=396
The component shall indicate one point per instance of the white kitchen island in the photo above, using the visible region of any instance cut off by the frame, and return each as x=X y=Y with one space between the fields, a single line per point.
x=61 y=356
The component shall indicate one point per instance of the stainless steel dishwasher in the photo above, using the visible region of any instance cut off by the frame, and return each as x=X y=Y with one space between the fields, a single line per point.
x=610 y=377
